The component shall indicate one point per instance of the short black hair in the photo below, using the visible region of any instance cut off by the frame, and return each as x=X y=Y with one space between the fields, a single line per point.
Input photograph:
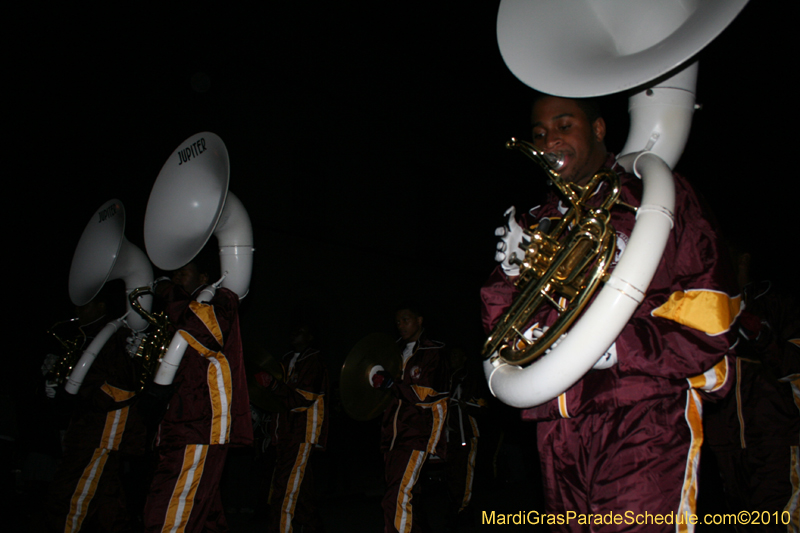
x=414 y=307
x=590 y=106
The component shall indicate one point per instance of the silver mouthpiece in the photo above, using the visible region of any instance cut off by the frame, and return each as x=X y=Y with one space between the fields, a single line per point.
x=554 y=159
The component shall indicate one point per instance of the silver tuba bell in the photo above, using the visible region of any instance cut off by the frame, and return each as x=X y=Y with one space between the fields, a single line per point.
x=189 y=203
x=103 y=254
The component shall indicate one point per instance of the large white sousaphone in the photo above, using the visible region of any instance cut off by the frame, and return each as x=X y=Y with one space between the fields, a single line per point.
x=104 y=254
x=583 y=48
x=188 y=204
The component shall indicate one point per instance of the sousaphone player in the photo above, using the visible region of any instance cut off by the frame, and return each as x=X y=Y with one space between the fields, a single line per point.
x=618 y=400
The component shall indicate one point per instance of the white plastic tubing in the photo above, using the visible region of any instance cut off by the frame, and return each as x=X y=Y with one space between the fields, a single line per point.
x=234 y=234
x=602 y=322
x=83 y=365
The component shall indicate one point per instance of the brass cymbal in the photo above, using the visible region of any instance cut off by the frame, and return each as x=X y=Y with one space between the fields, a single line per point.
x=359 y=398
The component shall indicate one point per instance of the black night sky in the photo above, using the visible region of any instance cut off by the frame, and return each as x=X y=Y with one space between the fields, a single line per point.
x=365 y=143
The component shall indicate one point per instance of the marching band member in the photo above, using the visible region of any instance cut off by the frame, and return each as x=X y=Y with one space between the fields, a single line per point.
x=208 y=408
x=297 y=433
x=626 y=437
x=106 y=426
x=413 y=422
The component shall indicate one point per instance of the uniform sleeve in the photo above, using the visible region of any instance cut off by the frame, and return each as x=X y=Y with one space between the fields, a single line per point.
x=497 y=294
x=431 y=386
x=683 y=329
x=205 y=325
x=112 y=382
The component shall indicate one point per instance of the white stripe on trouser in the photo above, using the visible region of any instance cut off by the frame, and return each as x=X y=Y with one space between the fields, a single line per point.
x=179 y=525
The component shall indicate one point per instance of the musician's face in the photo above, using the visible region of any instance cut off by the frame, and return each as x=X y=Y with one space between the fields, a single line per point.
x=561 y=126
x=189 y=278
x=409 y=325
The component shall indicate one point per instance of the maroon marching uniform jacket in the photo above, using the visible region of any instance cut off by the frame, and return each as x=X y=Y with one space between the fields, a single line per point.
x=678 y=337
x=210 y=404
x=416 y=415
x=305 y=395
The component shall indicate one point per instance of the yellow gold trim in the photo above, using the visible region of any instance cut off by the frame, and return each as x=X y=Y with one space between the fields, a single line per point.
x=562 y=405
x=118 y=395
x=708 y=311
x=205 y=312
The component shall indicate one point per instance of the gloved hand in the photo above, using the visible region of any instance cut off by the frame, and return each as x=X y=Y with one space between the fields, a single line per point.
x=265 y=379
x=608 y=359
x=508 y=248
x=50 y=388
x=380 y=378
x=536 y=333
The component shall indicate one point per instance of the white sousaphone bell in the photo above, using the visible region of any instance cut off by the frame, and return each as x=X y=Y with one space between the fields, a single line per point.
x=104 y=254
x=583 y=48
x=188 y=204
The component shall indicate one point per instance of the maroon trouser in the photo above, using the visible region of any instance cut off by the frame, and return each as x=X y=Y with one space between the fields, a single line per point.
x=629 y=462
x=402 y=471
x=184 y=495
x=291 y=500
x=461 y=470
x=761 y=478
x=87 y=487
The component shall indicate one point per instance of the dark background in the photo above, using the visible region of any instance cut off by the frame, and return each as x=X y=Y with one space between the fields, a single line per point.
x=365 y=142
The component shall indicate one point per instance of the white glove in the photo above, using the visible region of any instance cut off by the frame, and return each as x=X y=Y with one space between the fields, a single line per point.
x=50 y=388
x=537 y=332
x=132 y=343
x=508 y=248
x=608 y=359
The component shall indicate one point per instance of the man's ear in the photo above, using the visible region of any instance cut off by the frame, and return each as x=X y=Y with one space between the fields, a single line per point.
x=599 y=129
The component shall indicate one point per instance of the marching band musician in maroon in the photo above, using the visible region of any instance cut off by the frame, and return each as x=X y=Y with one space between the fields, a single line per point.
x=208 y=411
x=412 y=429
x=297 y=433
x=627 y=436
x=755 y=431
x=87 y=490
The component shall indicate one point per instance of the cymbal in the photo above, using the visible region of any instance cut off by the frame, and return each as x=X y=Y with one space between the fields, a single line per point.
x=360 y=399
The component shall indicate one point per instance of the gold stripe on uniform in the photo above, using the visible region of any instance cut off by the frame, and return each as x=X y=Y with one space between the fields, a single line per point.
x=439 y=413
x=423 y=392
x=219 y=389
x=118 y=395
x=205 y=313
x=562 y=405
x=473 y=450
x=114 y=426
x=403 y=518
x=84 y=492
x=712 y=379
x=183 y=496
x=694 y=418
x=315 y=414
x=293 y=486
x=711 y=312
